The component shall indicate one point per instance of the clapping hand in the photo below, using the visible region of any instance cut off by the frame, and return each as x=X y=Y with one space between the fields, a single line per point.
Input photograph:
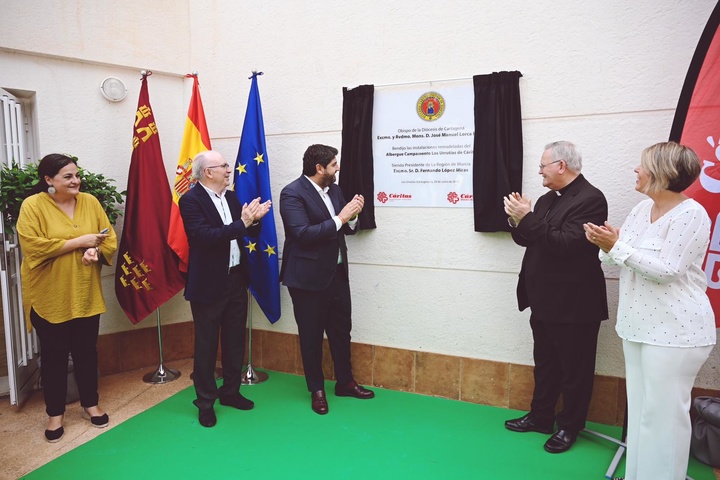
x=254 y=211
x=517 y=206
x=603 y=236
x=352 y=209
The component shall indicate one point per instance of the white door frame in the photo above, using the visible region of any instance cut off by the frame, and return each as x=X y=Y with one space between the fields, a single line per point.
x=21 y=345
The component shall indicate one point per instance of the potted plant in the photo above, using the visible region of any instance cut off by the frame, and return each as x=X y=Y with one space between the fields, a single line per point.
x=16 y=183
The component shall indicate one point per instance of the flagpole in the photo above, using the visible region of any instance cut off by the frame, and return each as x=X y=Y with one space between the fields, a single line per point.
x=250 y=375
x=161 y=374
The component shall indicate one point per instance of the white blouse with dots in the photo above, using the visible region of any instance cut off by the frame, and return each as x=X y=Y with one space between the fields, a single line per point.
x=662 y=284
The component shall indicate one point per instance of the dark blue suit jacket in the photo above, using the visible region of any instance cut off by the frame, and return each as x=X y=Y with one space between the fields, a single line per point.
x=209 y=240
x=312 y=241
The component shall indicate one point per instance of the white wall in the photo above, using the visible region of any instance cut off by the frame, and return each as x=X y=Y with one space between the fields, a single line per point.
x=62 y=51
x=605 y=75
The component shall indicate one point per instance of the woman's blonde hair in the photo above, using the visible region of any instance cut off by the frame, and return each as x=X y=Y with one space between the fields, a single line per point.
x=670 y=166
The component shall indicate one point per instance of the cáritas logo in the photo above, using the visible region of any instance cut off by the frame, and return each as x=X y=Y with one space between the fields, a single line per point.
x=454 y=198
x=384 y=197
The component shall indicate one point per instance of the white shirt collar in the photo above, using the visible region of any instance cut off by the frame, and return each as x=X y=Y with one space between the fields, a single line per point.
x=212 y=192
x=317 y=187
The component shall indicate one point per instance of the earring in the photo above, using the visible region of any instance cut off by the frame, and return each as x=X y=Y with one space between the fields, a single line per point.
x=51 y=190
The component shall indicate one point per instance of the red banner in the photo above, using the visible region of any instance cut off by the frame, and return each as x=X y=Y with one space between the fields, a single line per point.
x=696 y=125
x=147 y=273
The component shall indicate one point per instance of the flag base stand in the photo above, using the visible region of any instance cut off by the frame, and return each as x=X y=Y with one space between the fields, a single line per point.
x=610 y=473
x=618 y=455
x=161 y=375
x=251 y=376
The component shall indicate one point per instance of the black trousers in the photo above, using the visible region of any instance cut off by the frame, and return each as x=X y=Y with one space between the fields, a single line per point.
x=77 y=337
x=225 y=320
x=328 y=311
x=564 y=355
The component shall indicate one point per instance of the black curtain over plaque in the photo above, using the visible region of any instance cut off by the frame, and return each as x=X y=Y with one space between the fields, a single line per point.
x=356 y=156
x=498 y=149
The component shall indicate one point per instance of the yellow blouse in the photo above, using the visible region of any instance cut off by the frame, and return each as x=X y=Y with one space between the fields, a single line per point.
x=60 y=287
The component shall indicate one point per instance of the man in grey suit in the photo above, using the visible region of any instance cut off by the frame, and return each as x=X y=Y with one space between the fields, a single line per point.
x=563 y=284
x=316 y=218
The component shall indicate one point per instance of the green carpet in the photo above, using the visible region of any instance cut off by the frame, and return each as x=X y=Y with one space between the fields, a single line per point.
x=395 y=436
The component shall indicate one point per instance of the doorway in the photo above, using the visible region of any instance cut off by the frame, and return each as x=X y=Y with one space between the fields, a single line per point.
x=19 y=367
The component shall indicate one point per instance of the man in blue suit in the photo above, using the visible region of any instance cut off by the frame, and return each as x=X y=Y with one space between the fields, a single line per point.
x=217 y=280
x=316 y=218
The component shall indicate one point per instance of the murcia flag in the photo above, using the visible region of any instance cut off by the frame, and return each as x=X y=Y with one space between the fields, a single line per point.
x=697 y=125
x=147 y=272
x=195 y=140
x=252 y=180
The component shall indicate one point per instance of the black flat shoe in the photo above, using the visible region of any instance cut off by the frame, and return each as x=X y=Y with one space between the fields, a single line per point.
x=101 y=421
x=53 y=436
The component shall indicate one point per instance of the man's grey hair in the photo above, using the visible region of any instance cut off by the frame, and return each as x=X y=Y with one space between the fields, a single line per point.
x=567 y=152
x=199 y=164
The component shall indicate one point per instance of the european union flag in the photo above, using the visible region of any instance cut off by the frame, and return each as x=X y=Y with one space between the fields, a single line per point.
x=252 y=180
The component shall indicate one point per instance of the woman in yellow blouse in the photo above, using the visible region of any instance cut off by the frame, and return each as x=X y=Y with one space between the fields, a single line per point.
x=65 y=238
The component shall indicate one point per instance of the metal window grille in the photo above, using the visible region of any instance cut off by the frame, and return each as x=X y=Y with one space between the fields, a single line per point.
x=13 y=130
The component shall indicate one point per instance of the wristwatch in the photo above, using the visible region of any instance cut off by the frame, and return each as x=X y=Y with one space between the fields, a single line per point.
x=511 y=222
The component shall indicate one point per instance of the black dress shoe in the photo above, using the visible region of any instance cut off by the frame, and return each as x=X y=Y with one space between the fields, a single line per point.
x=53 y=436
x=207 y=417
x=319 y=402
x=352 y=389
x=527 y=424
x=561 y=441
x=237 y=401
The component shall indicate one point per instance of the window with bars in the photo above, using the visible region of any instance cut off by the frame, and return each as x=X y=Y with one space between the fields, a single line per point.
x=16 y=132
x=19 y=347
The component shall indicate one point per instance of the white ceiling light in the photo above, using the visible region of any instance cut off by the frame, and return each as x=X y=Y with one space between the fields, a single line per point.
x=113 y=89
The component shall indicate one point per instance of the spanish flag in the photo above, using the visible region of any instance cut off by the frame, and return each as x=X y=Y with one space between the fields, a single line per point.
x=195 y=140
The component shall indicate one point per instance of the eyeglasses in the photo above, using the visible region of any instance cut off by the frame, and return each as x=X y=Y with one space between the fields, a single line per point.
x=545 y=165
x=224 y=166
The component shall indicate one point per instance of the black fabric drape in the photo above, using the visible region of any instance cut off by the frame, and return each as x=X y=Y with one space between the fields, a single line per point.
x=356 y=156
x=498 y=149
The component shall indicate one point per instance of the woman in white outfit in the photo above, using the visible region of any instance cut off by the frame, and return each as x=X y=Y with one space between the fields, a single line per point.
x=664 y=316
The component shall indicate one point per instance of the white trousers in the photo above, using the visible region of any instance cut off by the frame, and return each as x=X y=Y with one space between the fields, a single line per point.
x=659 y=383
